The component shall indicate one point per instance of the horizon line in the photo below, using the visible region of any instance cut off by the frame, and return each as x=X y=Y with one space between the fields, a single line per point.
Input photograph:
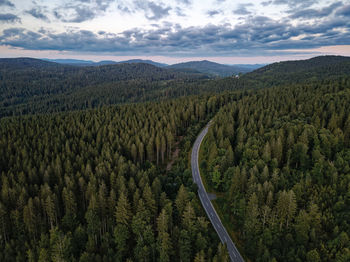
x=186 y=60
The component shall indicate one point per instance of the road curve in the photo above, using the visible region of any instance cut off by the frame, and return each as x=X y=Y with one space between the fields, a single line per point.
x=208 y=207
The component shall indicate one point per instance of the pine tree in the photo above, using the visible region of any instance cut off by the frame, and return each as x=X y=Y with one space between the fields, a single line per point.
x=252 y=221
x=122 y=213
x=164 y=241
x=29 y=218
x=181 y=199
x=149 y=199
x=121 y=235
x=200 y=257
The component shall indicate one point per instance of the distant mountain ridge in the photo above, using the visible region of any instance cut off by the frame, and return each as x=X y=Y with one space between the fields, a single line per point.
x=205 y=67
x=249 y=66
x=70 y=61
x=25 y=62
x=29 y=85
x=143 y=61
x=212 y=68
x=78 y=62
x=115 y=72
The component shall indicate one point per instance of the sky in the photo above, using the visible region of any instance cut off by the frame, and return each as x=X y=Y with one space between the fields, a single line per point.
x=172 y=31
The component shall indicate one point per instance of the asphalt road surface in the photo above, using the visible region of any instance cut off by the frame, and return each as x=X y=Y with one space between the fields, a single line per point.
x=209 y=209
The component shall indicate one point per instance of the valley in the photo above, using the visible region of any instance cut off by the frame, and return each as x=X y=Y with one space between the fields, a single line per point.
x=99 y=163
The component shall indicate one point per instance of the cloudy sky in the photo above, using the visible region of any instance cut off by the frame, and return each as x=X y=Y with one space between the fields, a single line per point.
x=226 y=31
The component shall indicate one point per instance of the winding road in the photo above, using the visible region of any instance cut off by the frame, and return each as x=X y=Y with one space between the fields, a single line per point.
x=208 y=207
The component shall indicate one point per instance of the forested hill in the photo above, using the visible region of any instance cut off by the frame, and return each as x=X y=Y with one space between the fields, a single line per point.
x=211 y=68
x=279 y=160
x=10 y=67
x=314 y=69
x=302 y=65
x=142 y=61
x=31 y=85
x=25 y=63
x=94 y=185
x=77 y=62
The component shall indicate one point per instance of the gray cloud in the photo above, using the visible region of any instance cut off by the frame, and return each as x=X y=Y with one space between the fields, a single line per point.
x=242 y=9
x=9 y=18
x=38 y=13
x=84 y=11
x=344 y=11
x=75 y=14
x=255 y=35
x=266 y=3
x=152 y=10
x=213 y=12
x=186 y=2
x=6 y=3
x=158 y=11
x=291 y=3
x=179 y=11
x=96 y=4
x=82 y=39
x=103 y=4
x=124 y=9
x=314 y=13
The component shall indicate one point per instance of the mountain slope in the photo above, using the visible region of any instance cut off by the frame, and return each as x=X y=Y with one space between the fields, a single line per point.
x=211 y=68
x=250 y=67
x=78 y=62
x=26 y=62
x=142 y=61
x=314 y=69
x=32 y=85
x=314 y=63
x=278 y=160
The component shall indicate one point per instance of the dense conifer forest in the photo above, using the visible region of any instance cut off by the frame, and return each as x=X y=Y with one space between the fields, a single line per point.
x=30 y=86
x=281 y=157
x=301 y=71
x=91 y=186
x=87 y=176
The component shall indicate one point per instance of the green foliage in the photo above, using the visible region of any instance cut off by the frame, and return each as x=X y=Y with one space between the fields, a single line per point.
x=300 y=71
x=92 y=186
x=81 y=186
x=30 y=86
x=286 y=180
